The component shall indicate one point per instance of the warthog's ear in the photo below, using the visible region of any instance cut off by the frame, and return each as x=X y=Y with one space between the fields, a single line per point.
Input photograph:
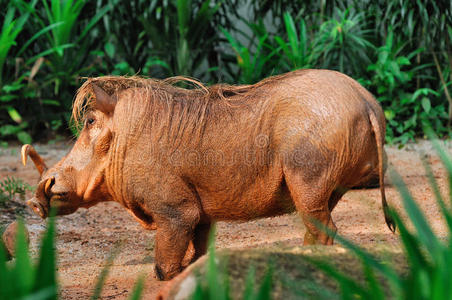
x=104 y=102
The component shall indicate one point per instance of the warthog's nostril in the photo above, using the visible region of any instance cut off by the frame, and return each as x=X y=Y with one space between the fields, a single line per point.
x=37 y=207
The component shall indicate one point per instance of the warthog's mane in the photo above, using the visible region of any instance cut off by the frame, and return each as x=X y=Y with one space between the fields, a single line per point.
x=114 y=84
x=195 y=103
x=186 y=111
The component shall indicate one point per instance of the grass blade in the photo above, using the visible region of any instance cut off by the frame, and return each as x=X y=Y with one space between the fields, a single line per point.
x=411 y=245
x=439 y=199
x=103 y=274
x=374 y=286
x=249 y=284
x=93 y=22
x=348 y=286
x=367 y=257
x=45 y=276
x=23 y=270
x=137 y=289
x=264 y=291
x=6 y=288
x=37 y=35
x=424 y=231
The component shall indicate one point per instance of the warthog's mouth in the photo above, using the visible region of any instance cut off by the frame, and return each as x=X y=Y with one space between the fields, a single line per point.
x=57 y=201
x=38 y=208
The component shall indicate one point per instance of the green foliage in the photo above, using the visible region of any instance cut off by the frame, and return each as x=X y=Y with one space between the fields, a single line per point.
x=11 y=28
x=406 y=111
x=52 y=30
x=137 y=289
x=345 y=42
x=11 y=186
x=173 y=37
x=68 y=44
x=298 y=52
x=15 y=19
x=254 y=61
x=24 y=280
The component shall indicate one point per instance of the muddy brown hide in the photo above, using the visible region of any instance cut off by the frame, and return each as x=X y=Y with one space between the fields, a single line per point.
x=180 y=159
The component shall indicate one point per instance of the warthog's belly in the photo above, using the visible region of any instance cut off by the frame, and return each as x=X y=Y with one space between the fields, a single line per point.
x=258 y=201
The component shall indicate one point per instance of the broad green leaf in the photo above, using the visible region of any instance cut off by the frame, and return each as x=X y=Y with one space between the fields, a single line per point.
x=51 y=102
x=389 y=114
x=24 y=137
x=402 y=60
x=7 y=98
x=9 y=129
x=110 y=49
x=291 y=33
x=426 y=104
x=14 y=114
x=8 y=88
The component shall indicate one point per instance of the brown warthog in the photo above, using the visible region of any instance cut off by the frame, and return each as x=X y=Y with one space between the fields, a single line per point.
x=179 y=159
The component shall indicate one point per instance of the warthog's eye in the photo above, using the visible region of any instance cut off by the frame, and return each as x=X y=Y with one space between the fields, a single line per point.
x=90 y=121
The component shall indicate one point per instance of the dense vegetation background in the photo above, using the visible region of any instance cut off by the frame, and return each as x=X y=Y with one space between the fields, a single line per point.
x=399 y=49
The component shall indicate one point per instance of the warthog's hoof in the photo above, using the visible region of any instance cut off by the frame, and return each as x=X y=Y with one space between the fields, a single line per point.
x=162 y=273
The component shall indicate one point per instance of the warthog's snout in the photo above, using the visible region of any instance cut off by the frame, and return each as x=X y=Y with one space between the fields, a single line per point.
x=40 y=202
x=38 y=208
x=56 y=188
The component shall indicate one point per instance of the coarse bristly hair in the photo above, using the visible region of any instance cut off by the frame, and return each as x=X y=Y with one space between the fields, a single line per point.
x=114 y=84
x=188 y=108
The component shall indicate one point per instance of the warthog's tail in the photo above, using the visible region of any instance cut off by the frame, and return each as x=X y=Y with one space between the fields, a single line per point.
x=379 y=138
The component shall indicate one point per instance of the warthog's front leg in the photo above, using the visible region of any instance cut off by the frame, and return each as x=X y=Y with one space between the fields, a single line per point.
x=171 y=246
x=175 y=230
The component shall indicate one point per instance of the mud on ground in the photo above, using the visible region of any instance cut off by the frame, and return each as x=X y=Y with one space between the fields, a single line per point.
x=86 y=238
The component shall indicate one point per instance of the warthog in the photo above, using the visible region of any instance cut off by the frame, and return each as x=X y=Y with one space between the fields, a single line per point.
x=179 y=159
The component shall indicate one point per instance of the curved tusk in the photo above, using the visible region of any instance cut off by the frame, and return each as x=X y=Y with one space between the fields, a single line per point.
x=49 y=183
x=29 y=150
x=24 y=153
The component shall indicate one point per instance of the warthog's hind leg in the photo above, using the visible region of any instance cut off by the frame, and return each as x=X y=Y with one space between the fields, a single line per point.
x=198 y=245
x=200 y=240
x=313 y=202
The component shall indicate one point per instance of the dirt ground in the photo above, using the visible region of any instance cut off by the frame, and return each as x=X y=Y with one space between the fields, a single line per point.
x=86 y=238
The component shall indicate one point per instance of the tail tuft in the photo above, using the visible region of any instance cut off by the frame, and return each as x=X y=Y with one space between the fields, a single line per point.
x=389 y=220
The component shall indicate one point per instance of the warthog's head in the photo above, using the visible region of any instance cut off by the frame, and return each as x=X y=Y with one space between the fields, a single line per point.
x=78 y=179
